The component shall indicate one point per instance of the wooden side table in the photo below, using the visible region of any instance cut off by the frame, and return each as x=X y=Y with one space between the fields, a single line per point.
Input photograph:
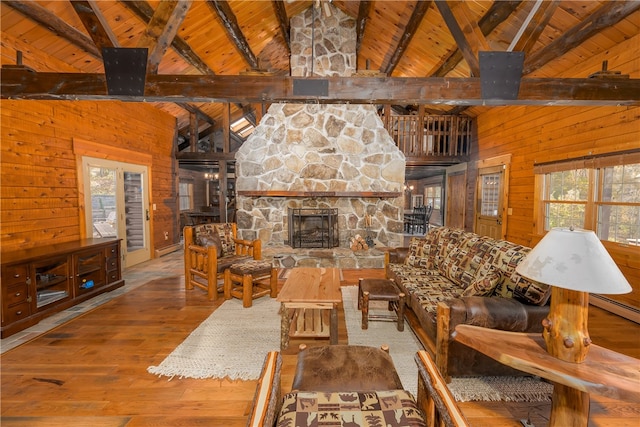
x=604 y=372
x=309 y=300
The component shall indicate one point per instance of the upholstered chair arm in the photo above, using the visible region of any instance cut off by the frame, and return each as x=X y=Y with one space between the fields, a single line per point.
x=268 y=396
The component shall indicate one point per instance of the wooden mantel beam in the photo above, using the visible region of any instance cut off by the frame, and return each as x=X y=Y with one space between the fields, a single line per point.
x=23 y=83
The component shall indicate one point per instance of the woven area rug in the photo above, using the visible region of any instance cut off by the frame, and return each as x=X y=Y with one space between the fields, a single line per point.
x=232 y=343
x=404 y=345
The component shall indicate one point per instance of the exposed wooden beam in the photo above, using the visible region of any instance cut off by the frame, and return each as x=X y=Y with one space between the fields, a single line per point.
x=162 y=29
x=145 y=12
x=95 y=24
x=496 y=15
x=409 y=31
x=22 y=83
x=230 y=23
x=48 y=20
x=283 y=22
x=361 y=21
x=199 y=158
x=610 y=13
x=195 y=110
x=529 y=35
x=193 y=132
x=465 y=31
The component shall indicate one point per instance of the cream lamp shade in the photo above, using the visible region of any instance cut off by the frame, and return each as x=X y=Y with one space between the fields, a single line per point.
x=574 y=259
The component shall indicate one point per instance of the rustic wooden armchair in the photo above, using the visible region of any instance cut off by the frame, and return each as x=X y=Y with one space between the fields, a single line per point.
x=434 y=401
x=209 y=249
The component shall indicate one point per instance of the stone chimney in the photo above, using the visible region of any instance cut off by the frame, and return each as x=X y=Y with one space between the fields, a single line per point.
x=321 y=156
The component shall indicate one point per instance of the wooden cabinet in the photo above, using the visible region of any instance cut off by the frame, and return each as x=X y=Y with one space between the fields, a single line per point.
x=41 y=281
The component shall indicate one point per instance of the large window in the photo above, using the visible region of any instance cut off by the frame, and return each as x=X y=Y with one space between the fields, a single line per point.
x=600 y=194
x=186 y=196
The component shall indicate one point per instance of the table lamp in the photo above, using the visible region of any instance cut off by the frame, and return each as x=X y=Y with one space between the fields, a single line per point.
x=574 y=262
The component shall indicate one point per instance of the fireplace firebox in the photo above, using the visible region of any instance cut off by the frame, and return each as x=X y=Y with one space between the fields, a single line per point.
x=313 y=228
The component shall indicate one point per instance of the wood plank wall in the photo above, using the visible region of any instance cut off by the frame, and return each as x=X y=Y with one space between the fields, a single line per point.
x=39 y=201
x=542 y=134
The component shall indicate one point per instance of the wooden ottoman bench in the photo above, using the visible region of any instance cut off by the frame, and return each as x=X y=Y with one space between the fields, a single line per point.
x=249 y=280
x=381 y=290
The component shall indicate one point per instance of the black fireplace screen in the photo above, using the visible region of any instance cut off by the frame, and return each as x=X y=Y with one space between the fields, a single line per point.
x=313 y=228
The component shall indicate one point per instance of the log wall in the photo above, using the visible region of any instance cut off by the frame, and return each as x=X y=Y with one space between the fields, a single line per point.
x=542 y=134
x=40 y=201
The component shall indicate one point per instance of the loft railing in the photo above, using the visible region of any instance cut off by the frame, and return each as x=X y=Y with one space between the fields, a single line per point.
x=440 y=136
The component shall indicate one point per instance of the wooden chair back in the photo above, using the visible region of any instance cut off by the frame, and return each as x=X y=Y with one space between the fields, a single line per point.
x=434 y=397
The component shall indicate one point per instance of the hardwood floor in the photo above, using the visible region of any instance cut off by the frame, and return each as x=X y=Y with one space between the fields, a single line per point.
x=91 y=371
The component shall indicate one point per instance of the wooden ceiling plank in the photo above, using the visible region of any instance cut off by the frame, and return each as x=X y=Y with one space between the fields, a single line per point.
x=95 y=24
x=42 y=16
x=145 y=12
x=419 y=12
x=610 y=13
x=496 y=15
x=19 y=83
x=230 y=23
x=162 y=29
x=536 y=26
x=361 y=21
x=283 y=21
x=465 y=31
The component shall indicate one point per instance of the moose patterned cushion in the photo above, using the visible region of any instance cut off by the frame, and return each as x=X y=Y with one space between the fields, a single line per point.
x=393 y=408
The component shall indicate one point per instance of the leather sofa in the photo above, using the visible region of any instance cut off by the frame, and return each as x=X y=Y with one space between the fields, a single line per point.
x=453 y=277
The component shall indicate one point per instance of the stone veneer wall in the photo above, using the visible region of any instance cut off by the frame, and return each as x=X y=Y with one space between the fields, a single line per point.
x=321 y=148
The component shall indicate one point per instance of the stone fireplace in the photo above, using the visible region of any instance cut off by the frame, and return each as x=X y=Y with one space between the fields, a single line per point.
x=313 y=156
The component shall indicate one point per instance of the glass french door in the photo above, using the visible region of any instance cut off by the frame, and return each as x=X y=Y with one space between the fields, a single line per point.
x=116 y=205
x=490 y=200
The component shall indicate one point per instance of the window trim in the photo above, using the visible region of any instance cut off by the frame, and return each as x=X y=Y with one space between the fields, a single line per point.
x=593 y=165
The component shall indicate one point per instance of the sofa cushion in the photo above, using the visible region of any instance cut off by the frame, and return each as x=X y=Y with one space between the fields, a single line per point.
x=427 y=289
x=380 y=408
x=483 y=285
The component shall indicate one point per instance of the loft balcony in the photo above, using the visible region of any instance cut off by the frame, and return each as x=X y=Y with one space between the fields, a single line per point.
x=429 y=139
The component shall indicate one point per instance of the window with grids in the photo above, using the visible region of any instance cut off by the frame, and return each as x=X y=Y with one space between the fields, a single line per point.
x=432 y=195
x=186 y=196
x=600 y=194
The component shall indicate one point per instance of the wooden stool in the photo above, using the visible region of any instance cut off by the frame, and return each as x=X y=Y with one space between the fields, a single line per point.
x=380 y=290
x=250 y=280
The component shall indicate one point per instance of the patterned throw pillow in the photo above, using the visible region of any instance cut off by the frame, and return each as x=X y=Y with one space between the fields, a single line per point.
x=416 y=257
x=484 y=285
x=213 y=239
x=225 y=232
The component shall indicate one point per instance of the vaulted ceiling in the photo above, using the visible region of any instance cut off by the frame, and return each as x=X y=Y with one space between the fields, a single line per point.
x=401 y=39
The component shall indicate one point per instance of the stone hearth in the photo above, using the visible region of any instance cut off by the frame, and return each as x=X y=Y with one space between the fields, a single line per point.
x=321 y=156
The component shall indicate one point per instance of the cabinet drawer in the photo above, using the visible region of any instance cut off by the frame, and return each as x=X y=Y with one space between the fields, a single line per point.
x=17 y=312
x=14 y=274
x=112 y=263
x=113 y=275
x=15 y=294
x=111 y=251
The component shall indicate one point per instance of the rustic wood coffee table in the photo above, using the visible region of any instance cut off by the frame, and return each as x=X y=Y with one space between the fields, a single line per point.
x=309 y=299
